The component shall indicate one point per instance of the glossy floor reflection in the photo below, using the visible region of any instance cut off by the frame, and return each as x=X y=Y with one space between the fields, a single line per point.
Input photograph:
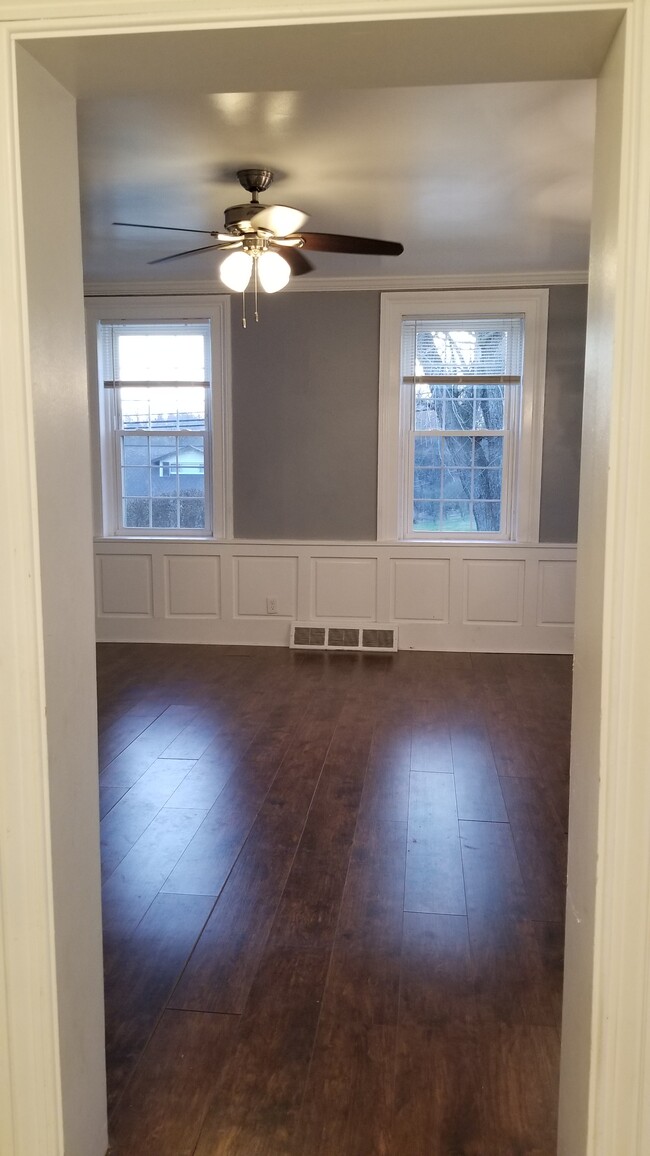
x=333 y=900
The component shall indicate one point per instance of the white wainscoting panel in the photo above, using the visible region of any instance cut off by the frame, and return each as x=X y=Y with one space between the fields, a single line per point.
x=192 y=586
x=556 y=593
x=443 y=596
x=420 y=589
x=494 y=591
x=257 y=579
x=124 y=585
x=344 y=588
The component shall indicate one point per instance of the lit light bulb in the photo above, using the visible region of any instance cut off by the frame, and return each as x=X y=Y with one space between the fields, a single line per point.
x=235 y=271
x=274 y=271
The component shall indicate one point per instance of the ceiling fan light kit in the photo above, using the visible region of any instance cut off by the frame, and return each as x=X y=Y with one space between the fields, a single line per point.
x=256 y=232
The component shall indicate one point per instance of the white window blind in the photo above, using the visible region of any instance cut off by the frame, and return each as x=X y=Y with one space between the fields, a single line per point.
x=485 y=347
x=154 y=352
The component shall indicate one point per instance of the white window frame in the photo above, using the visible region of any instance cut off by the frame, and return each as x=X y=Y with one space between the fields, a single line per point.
x=522 y=476
x=218 y=438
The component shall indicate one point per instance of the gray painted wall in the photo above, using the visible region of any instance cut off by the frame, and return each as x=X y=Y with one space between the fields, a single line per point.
x=304 y=395
x=305 y=381
x=565 y=367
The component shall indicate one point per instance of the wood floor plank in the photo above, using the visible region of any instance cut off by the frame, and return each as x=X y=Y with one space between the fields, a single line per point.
x=478 y=794
x=436 y=975
x=430 y=738
x=209 y=858
x=530 y=803
x=467 y=1090
x=196 y=737
x=143 y=871
x=347 y=1105
x=159 y=781
x=205 y=781
x=542 y=859
x=438 y=1091
x=120 y=775
x=434 y=870
x=511 y=982
x=256 y=1101
x=493 y=880
x=140 y=972
x=385 y=796
x=550 y=939
x=221 y=970
x=120 y=830
x=164 y=1106
x=308 y=911
x=122 y=731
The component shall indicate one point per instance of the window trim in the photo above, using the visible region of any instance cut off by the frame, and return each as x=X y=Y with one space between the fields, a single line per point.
x=218 y=478
x=393 y=479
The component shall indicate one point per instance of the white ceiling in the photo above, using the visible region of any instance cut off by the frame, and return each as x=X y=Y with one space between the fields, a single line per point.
x=485 y=179
x=372 y=128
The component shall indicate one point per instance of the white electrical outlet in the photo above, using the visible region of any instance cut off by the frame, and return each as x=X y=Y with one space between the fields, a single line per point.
x=271 y=606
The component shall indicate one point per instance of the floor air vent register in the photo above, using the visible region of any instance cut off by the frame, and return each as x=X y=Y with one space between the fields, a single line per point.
x=369 y=639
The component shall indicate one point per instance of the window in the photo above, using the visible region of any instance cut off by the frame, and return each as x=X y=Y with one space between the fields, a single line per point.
x=162 y=419
x=461 y=400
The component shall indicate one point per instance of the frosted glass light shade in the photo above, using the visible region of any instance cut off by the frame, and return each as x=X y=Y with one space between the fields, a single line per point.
x=235 y=271
x=274 y=271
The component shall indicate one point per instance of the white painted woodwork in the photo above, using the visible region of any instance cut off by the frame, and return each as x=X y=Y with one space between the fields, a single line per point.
x=192 y=586
x=456 y=596
x=605 y=1077
x=125 y=586
x=65 y=819
x=556 y=602
x=420 y=589
x=494 y=591
x=385 y=282
x=606 y=1067
x=257 y=579
x=344 y=587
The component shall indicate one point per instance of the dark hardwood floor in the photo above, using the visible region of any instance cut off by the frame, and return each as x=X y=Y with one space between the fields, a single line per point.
x=333 y=900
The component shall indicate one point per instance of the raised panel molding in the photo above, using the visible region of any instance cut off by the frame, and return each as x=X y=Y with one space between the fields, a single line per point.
x=192 y=586
x=257 y=579
x=556 y=592
x=420 y=589
x=494 y=591
x=444 y=596
x=124 y=585
x=345 y=588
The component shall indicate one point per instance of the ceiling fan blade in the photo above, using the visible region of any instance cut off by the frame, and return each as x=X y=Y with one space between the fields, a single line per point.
x=174 y=229
x=229 y=244
x=297 y=262
x=338 y=243
x=279 y=220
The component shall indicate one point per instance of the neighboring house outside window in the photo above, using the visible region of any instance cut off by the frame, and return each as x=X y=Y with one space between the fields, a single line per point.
x=163 y=416
x=461 y=407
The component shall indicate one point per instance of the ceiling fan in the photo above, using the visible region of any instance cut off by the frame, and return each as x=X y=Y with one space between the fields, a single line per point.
x=266 y=240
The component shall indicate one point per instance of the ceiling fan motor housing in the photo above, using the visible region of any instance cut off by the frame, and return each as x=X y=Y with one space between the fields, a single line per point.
x=238 y=217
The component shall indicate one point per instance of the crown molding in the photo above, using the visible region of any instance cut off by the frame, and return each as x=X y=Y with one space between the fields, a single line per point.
x=345 y=284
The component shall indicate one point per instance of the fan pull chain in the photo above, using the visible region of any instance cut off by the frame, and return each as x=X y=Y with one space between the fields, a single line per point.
x=257 y=317
x=243 y=309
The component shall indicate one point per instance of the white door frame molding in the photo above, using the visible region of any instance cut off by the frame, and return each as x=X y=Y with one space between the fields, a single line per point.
x=617 y=1113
